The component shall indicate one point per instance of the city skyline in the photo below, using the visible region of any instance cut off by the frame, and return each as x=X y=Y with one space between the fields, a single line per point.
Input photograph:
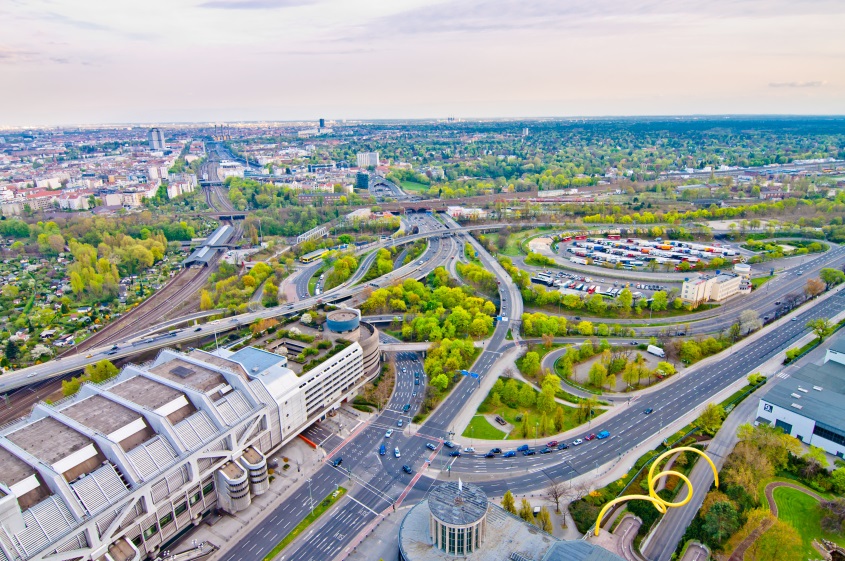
x=253 y=60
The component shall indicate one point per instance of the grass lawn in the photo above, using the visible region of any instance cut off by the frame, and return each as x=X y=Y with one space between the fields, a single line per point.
x=804 y=514
x=481 y=428
x=319 y=509
x=512 y=248
x=760 y=281
x=414 y=186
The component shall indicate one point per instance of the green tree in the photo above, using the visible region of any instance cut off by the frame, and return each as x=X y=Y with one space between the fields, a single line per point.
x=721 y=521
x=544 y=520
x=659 y=301
x=598 y=374
x=12 y=351
x=837 y=480
x=101 y=371
x=508 y=502
x=560 y=420
x=525 y=511
x=526 y=396
x=510 y=394
x=531 y=364
x=495 y=400
x=440 y=382
x=831 y=277
x=711 y=418
x=821 y=327
x=625 y=300
x=585 y=328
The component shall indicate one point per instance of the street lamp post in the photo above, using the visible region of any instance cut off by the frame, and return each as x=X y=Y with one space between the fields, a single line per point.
x=310 y=498
x=536 y=426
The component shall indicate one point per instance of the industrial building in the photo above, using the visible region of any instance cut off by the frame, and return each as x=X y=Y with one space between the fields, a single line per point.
x=457 y=520
x=810 y=403
x=116 y=471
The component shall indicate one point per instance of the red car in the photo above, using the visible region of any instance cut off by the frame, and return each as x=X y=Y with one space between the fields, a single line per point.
x=591 y=437
x=552 y=444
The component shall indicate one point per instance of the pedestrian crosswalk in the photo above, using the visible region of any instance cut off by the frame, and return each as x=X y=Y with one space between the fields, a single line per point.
x=783 y=375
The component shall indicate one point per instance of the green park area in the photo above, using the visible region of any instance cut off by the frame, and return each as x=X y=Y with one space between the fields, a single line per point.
x=528 y=412
x=802 y=512
x=414 y=186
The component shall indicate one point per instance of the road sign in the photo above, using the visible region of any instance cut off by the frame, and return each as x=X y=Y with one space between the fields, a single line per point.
x=473 y=375
x=464 y=372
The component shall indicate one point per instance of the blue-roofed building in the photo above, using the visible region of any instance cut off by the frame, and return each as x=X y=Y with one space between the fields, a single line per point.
x=257 y=360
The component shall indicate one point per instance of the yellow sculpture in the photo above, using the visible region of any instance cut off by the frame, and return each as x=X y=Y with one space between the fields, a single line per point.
x=660 y=504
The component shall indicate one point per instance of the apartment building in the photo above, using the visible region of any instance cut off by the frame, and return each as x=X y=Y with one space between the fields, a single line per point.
x=714 y=288
x=114 y=472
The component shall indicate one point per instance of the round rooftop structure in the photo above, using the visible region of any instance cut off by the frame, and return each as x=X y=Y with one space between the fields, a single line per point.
x=458 y=517
x=343 y=320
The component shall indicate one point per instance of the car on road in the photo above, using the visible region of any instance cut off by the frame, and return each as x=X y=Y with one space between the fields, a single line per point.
x=648 y=411
x=552 y=443
x=496 y=450
x=529 y=452
x=634 y=343
x=414 y=394
x=562 y=446
x=455 y=453
x=469 y=450
x=509 y=454
x=523 y=448
x=407 y=407
x=603 y=434
x=546 y=450
x=450 y=444
x=388 y=433
x=489 y=455
x=577 y=441
x=431 y=446
x=337 y=461
x=399 y=423
x=198 y=329
x=794 y=319
x=407 y=469
x=590 y=437
x=396 y=453
x=382 y=450
x=110 y=353
x=89 y=355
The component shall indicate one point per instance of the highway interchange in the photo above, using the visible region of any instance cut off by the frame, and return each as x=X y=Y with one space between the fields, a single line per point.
x=377 y=482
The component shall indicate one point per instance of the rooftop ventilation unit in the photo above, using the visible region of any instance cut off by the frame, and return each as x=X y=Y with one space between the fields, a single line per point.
x=818 y=388
x=803 y=390
x=796 y=396
x=796 y=406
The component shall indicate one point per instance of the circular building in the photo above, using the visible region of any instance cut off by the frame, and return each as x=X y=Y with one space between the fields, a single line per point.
x=458 y=517
x=743 y=270
x=343 y=320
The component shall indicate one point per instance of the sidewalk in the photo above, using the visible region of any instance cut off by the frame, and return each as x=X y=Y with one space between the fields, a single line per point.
x=225 y=531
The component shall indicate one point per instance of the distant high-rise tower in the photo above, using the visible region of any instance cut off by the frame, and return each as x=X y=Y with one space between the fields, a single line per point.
x=322 y=123
x=367 y=159
x=156 y=139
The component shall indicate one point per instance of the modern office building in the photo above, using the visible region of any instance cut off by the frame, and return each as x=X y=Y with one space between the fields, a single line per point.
x=322 y=123
x=155 y=137
x=116 y=471
x=714 y=288
x=810 y=403
x=367 y=159
x=457 y=520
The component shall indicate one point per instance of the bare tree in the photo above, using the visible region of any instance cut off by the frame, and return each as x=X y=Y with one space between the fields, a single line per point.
x=556 y=492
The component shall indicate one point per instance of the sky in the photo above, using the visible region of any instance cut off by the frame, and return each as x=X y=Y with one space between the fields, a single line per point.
x=118 y=61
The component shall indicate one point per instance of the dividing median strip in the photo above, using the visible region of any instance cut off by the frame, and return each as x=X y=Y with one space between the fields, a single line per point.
x=321 y=508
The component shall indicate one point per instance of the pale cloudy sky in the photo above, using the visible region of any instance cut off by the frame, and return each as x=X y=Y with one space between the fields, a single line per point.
x=108 y=61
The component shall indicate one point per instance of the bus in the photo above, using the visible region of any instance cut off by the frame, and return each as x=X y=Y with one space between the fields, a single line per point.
x=313 y=256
